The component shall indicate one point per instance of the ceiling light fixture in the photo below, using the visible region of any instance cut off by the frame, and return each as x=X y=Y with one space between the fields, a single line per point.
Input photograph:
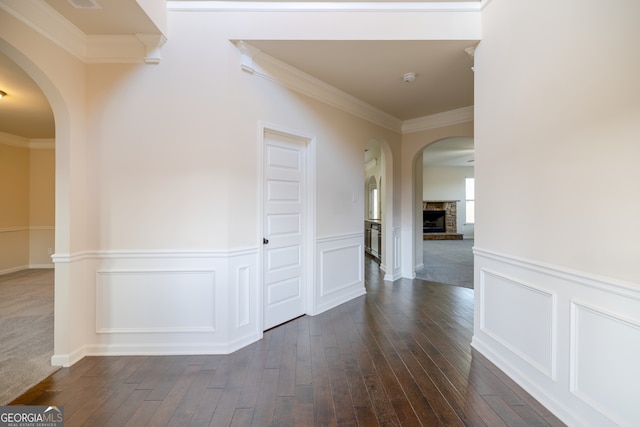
x=84 y=4
x=2 y=94
x=409 y=77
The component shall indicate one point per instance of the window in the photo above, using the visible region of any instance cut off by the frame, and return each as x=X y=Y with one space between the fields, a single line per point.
x=470 y=198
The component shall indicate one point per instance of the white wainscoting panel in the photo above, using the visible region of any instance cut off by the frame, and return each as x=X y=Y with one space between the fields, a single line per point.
x=407 y=253
x=243 y=296
x=155 y=301
x=340 y=270
x=393 y=271
x=526 y=325
x=605 y=364
x=570 y=339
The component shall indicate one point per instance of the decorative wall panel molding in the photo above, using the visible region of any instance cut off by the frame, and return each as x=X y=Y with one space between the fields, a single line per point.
x=570 y=339
x=394 y=267
x=604 y=364
x=169 y=302
x=155 y=301
x=340 y=270
x=526 y=326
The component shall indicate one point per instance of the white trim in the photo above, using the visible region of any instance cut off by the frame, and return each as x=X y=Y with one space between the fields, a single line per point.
x=551 y=371
x=22 y=142
x=13 y=140
x=262 y=65
x=88 y=255
x=385 y=6
x=13 y=229
x=46 y=21
x=102 y=274
x=42 y=144
x=272 y=69
x=14 y=269
x=41 y=266
x=575 y=356
x=340 y=237
x=446 y=118
x=310 y=226
x=573 y=292
x=66 y=360
x=626 y=289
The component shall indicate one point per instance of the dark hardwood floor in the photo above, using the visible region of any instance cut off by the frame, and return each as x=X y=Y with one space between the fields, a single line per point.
x=400 y=355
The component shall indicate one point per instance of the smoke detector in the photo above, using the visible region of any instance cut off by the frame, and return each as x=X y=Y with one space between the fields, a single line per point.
x=84 y=4
x=409 y=77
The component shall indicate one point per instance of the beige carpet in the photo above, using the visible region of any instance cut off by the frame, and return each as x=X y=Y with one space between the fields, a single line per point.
x=26 y=331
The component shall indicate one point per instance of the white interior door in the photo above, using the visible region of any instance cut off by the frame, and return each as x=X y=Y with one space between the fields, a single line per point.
x=284 y=228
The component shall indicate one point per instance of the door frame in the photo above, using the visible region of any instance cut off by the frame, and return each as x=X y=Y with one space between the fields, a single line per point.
x=309 y=224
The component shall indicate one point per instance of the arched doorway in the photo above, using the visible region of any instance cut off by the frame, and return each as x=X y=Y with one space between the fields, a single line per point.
x=27 y=227
x=444 y=211
x=378 y=205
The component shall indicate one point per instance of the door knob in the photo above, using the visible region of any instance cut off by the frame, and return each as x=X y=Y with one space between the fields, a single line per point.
x=265 y=241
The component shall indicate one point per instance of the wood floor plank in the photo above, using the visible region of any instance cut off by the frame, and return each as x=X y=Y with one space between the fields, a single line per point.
x=340 y=392
x=303 y=353
x=385 y=414
x=126 y=411
x=287 y=366
x=205 y=408
x=264 y=407
x=143 y=414
x=322 y=399
x=366 y=416
x=399 y=355
x=191 y=399
x=175 y=395
x=303 y=411
x=510 y=417
x=284 y=411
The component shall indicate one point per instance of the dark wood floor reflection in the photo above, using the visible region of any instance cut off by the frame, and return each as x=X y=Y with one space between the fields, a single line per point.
x=400 y=355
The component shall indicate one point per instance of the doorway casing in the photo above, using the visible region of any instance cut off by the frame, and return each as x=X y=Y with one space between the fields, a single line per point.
x=308 y=222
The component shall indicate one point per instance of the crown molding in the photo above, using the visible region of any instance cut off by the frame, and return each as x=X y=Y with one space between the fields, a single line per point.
x=446 y=118
x=43 y=19
x=42 y=144
x=303 y=6
x=254 y=61
x=265 y=66
x=14 y=140
x=22 y=142
x=46 y=21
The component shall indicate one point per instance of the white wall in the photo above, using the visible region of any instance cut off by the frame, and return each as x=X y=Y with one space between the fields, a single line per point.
x=556 y=114
x=179 y=195
x=448 y=183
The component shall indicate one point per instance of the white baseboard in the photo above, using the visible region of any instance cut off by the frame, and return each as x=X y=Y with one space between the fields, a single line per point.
x=569 y=338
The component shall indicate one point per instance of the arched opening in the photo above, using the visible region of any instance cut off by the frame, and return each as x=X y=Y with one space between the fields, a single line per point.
x=27 y=224
x=378 y=208
x=444 y=211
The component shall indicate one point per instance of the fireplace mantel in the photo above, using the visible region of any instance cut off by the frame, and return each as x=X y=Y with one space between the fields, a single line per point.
x=450 y=207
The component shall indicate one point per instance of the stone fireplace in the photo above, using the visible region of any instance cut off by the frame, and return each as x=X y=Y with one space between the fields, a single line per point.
x=440 y=220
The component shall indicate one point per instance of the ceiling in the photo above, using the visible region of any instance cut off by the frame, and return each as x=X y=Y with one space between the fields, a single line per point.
x=25 y=110
x=454 y=151
x=369 y=70
x=373 y=71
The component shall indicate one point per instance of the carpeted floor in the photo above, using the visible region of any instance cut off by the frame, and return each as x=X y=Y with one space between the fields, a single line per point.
x=448 y=261
x=26 y=331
